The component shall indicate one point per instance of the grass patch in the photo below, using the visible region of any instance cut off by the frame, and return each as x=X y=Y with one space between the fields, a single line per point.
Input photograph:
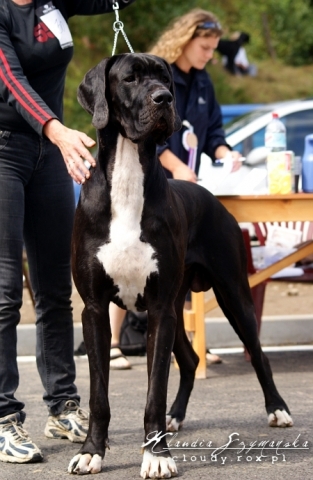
x=274 y=82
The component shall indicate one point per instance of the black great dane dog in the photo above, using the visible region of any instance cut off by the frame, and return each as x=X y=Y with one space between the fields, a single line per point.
x=142 y=242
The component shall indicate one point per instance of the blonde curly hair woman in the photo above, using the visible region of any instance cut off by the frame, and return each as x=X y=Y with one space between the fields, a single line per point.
x=196 y=23
x=188 y=45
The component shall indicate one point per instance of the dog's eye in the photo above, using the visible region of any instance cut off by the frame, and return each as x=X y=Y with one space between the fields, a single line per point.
x=165 y=79
x=130 y=79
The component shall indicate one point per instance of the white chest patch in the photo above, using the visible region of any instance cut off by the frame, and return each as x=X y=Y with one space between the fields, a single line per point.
x=126 y=258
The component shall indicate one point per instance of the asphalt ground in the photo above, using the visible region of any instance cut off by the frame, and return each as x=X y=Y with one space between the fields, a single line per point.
x=227 y=405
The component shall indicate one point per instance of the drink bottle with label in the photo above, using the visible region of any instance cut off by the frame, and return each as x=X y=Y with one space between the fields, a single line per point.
x=275 y=135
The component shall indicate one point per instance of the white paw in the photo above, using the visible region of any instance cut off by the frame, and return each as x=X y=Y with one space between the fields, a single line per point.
x=155 y=466
x=172 y=425
x=280 y=419
x=85 y=463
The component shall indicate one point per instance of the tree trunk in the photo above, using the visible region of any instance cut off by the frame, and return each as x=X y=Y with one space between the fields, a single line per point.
x=267 y=36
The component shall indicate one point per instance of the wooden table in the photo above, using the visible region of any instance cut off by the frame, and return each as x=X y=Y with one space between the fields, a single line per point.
x=251 y=208
x=270 y=208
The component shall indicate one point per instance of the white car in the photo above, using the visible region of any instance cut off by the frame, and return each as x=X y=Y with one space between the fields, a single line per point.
x=246 y=134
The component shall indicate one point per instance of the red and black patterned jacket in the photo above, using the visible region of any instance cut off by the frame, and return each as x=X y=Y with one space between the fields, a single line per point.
x=33 y=64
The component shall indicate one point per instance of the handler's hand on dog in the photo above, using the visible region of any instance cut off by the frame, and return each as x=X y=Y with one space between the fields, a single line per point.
x=72 y=145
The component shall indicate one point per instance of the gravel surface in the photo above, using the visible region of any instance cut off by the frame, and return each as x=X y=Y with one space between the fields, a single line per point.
x=228 y=403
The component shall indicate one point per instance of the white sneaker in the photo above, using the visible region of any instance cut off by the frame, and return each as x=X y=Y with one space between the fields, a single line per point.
x=15 y=444
x=71 y=423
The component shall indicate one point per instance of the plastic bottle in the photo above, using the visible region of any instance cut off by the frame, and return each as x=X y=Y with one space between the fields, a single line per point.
x=307 y=165
x=275 y=135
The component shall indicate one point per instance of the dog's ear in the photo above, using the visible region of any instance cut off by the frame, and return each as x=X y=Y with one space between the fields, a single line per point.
x=91 y=94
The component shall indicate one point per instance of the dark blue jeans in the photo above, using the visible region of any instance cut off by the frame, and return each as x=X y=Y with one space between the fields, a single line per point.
x=36 y=210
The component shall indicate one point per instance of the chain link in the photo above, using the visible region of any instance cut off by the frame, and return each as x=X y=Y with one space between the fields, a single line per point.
x=118 y=27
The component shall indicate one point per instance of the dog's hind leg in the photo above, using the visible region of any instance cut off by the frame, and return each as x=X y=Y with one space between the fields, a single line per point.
x=97 y=337
x=187 y=361
x=226 y=270
x=239 y=309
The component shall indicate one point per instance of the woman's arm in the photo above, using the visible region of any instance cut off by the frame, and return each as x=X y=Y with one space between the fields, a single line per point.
x=16 y=91
x=178 y=169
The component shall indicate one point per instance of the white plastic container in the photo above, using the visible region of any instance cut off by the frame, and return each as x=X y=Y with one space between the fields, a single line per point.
x=275 y=135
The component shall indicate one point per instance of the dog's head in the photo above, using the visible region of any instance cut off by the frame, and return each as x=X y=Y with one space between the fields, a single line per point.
x=136 y=92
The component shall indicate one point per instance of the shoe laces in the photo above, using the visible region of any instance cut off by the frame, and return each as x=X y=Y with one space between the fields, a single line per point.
x=72 y=407
x=17 y=431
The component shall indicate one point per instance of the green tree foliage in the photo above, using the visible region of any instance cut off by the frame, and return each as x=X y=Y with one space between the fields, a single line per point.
x=279 y=29
x=93 y=39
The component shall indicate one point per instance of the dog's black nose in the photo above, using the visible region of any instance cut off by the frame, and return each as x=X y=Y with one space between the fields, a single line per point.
x=162 y=96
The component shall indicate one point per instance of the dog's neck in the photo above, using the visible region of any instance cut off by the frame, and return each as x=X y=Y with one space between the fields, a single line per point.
x=117 y=152
x=127 y=181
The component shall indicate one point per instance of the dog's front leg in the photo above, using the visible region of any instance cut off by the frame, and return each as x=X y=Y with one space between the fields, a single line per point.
x=157 y=461
x=97 y=337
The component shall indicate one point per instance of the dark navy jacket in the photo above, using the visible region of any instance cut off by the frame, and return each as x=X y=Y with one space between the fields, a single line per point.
x=202 y=111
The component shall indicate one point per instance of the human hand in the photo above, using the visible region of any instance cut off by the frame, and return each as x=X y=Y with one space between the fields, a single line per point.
x=183 y=172
x=230 y=156
x=72 y=145
x=236 y=158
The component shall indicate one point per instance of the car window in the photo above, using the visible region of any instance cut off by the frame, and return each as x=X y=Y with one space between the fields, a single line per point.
x=242 y=120
x=252 y=141
x=298 y=125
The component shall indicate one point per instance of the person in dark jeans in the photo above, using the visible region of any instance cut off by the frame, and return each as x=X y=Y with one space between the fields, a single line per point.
x=37 y=154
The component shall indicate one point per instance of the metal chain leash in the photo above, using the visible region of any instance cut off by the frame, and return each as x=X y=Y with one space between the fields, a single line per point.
x=118 y=27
